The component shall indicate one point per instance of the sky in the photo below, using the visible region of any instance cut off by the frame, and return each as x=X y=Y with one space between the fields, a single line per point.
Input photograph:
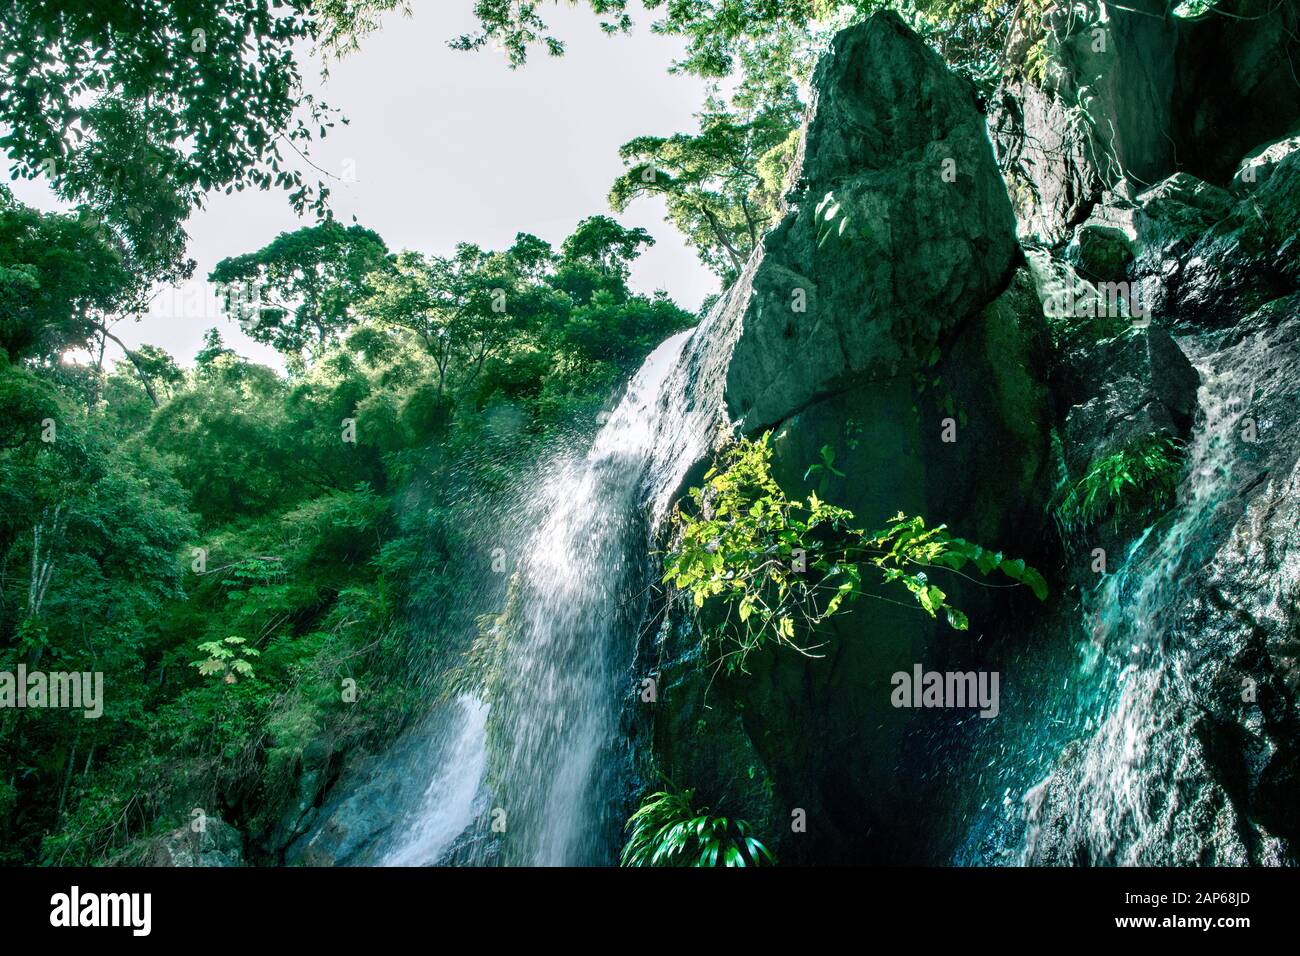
x=444 y=146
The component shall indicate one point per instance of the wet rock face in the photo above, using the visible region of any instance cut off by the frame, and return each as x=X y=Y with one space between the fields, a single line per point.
x=1125 y=388
x=900 y=228
x=1198 y=762
x=216 y=844
x=1208 y=259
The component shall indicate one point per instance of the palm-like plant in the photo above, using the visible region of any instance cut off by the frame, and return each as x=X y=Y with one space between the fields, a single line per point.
x=667 y=830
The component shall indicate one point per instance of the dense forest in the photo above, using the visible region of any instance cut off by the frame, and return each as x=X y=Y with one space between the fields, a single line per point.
x=280 y=573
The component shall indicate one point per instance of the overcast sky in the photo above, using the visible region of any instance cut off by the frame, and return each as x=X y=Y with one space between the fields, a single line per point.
x=449 y=147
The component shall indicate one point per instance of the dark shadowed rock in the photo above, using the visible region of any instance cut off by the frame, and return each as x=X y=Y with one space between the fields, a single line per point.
x=1131 y=95
x=1125 y=388
x=1236 y=83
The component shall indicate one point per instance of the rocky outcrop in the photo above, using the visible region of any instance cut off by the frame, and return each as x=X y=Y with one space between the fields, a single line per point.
x=1131 y=94
x=1208 y=259
x=916 y=324
x=207 y=842
x=900 y=229
x=1169 y=737
x=1194 y=761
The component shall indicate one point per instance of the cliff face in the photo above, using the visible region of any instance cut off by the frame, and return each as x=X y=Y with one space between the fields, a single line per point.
x=884 y=310
x=893 y=304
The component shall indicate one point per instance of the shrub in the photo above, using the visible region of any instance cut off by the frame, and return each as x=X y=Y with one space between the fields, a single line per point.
x=783 y=566
x=667 y=830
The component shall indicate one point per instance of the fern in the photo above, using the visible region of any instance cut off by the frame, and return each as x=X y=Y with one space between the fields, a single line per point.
x=667 y=830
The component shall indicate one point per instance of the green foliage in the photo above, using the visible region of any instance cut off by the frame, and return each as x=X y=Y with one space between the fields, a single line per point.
x=231 y=516
x=1141 y=478
x=722 y=185
x=781 y=567
x=227 y=659
x=767 y=43
x=209 y=97
x=1191 y=9
x=57 y=273
x=297 y=292
x=668 y=830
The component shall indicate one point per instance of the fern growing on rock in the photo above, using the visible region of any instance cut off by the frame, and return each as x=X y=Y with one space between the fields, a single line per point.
x=1140 y=478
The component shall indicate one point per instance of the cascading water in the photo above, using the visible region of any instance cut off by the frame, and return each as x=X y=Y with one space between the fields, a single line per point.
x=1128 y=678
x=453 y=798
x=547 y=757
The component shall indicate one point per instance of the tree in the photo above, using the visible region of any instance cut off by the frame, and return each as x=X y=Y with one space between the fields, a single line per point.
x=766 y=42
x=717 y=192
x=296 y=293
x=60 y=275
x=464 y=309
x=601 y=242
x=138 y=109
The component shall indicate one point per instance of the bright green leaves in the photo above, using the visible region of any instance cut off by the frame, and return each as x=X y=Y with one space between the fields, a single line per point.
x=667 y=830
x=228 y=659
x=779 y=568
x=824 y=468
x=1140 y=478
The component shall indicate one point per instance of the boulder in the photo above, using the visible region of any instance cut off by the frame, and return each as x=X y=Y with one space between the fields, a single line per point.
x=1205 y=259
x=899 y=230
x=1045 y=153
x=916 y=319
x=1125 y=388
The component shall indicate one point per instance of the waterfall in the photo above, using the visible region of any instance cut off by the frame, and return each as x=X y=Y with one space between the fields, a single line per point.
x=547 y=756
x=451 y=802
x=1129 y=677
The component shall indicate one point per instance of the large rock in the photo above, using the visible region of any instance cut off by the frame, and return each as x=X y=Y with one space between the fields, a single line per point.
x=1122 y=389
x=899 y=230
x=1131 y=95
x=1045 y=151
x=1206 y=259
x=1114 y=65
x=916 y=320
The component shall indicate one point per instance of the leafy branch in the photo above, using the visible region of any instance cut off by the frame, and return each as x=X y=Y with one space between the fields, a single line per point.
x=781 y=567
